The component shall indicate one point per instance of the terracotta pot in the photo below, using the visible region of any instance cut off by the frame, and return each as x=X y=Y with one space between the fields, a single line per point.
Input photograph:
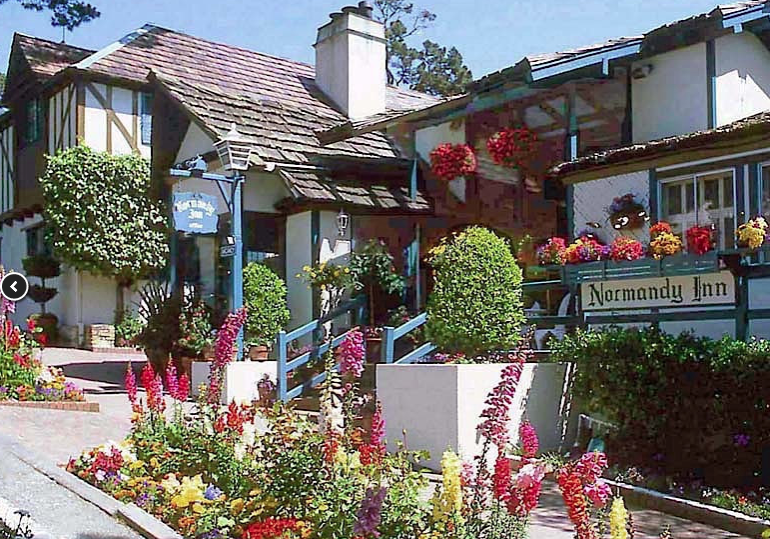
x=259 y=353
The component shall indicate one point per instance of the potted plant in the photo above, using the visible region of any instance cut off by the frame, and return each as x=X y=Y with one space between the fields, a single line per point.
x=264 y=295
x=374 y=274
x=160 y=309
x=330 y=281
x=43 y=266
x=195 y=334
x=752 y=235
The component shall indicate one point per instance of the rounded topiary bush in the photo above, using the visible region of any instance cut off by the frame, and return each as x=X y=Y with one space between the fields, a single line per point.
x=475 y=306
x=264 y=295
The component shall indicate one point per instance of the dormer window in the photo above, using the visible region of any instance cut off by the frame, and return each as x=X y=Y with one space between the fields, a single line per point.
x=34 y=121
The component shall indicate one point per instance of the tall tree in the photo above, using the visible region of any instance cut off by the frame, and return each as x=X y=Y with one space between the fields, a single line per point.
x=64 y=13
x=431 y=69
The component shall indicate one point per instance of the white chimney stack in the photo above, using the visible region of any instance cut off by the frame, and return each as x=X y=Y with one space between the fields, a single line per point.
x=350 y=61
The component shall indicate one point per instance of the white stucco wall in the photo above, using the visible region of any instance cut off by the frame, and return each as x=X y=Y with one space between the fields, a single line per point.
x=195 y=142
x=82 y=299
x=743 y=77
x=95 y=119
x=62 y=119
x=673 y=99
x=592 y=198
x=298 y=255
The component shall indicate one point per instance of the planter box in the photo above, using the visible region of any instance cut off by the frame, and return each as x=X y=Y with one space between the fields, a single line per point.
x=439 y=406
x=99 y=336
x=240 y=380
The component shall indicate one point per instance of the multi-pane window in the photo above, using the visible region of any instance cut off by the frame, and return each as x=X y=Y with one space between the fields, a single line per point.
x=701 y=200
x=146 y=118
x=34 y=121
x=36 y=241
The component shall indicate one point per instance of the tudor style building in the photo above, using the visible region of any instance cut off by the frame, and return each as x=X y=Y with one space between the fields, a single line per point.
x=169 y=96
x=677 y=117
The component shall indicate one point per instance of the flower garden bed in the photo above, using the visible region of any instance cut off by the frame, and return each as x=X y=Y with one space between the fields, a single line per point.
x=24 y=379
x=262 y=471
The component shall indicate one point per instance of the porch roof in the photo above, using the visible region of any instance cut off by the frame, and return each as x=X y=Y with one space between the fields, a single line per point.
x=753 y=127
x=316 y=188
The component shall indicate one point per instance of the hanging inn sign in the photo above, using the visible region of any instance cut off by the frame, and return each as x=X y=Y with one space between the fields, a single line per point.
x=195 y=213
x=653 y=292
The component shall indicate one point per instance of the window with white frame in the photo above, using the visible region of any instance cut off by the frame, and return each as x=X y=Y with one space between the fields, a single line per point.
x=146 y=118
x=703 y=199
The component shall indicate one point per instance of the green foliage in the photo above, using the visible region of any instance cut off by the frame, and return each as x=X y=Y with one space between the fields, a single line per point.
x=195 y=331
x=264 y=295
x=100 y=216
x=373 y=267
x=678 y=401
x=475 y=307
x=67 y=14
x=128 y=327
x=432 y=69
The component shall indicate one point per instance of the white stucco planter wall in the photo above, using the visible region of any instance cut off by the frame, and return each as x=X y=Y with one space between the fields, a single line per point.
x=439 y=406
x=241 y=378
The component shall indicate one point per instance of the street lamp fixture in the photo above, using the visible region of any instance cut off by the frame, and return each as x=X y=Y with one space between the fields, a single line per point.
x=234 y=150
x=343 y=220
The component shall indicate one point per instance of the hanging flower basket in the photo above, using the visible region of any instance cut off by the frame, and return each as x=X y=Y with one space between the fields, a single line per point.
x=699 y=239
x=626 y=212
x=752 y=235
x=513 y=148
x=665 y=244
x=659 y=228
x=450 y=161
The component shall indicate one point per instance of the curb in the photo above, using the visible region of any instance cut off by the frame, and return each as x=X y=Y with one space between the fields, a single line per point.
x=136 y=518
x=65 y=406
x=724 y=519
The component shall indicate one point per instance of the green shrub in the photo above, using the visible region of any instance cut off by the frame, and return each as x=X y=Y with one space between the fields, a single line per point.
x=264 y=295
x=475 y=306
x=128 y=326
x=195 y=331
x=691 y=407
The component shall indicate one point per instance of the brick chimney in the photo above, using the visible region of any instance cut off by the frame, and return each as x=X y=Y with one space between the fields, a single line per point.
x=350 y=61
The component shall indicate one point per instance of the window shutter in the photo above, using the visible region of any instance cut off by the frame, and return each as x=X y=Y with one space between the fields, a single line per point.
x=146 y=118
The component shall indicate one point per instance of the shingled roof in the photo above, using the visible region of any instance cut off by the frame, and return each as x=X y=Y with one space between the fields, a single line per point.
x=273 y=99
x=42 y=58
x=315 y=188
x=753 y=126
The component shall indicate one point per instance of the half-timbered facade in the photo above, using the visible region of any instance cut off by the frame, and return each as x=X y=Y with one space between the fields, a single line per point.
x=54 y=103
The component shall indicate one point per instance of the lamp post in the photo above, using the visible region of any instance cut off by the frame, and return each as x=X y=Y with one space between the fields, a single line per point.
x=235 y=153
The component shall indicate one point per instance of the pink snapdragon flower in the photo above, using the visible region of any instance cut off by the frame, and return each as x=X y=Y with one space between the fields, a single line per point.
x=351 y=353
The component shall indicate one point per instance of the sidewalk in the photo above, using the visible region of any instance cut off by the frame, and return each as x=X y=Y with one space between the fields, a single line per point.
x=57 y=510
x=59 y=435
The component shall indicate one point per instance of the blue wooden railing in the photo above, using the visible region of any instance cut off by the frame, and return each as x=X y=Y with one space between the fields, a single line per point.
x=356 y=308
x=390 y=335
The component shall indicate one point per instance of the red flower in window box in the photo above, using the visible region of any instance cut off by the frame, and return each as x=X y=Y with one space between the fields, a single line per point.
x=624 y=248
x=512 y=148
x=699 y=239
x=450 y=161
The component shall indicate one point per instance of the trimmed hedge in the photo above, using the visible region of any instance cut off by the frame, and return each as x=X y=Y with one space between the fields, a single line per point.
x=475 y=306
x=691 y=407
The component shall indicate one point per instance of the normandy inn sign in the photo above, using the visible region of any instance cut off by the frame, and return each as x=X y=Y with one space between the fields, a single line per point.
x=675 y=291
x=195 y=213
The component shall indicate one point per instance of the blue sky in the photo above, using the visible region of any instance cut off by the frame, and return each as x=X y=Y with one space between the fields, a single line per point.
x=491 y=34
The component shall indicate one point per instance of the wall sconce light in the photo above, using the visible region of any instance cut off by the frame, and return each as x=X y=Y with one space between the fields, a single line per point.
x=343 y=220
